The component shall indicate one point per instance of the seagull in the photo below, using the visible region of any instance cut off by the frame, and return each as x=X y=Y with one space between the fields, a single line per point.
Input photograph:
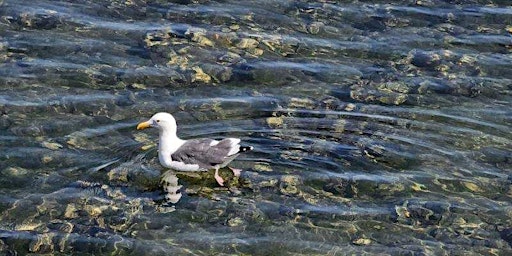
x=192 y=155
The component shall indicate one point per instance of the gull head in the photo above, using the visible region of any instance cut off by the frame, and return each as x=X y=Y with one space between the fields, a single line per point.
x=163 y=121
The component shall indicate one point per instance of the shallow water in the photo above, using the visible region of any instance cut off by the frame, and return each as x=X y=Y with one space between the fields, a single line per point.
x=377 y=127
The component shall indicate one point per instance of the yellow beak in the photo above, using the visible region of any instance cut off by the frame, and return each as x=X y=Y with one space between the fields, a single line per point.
x=143 y=125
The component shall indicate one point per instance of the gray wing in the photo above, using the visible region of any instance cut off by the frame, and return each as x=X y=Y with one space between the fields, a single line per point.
x=200 y=151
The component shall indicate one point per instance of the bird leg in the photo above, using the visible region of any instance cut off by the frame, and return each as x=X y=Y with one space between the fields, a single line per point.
x=218 y=178
x=235 y=171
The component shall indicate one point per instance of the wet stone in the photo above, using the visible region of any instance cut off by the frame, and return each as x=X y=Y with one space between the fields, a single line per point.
x=395 y=99
x=315 y=27
x=262 y=167
x=423 y=59
x=235 y=222
x=43 y=243
x=402 y=213
x=15 y=171
x=195 y=182
x=15 y=177
x=217 y=72
x=126 y=99
x=51 y=145
x=495 y=155
x=369 y=95
x=423 y=213
x=118 y=175
x=5 y=121
x=390 y=189
x=332 y=103
x=202 y=40
x=231 y=58
x=418 y=187
x=71 y=212
x=506 y=234
x=275 y=122
x=361 y=241
x=428 y=86
x=288 y=184
x=65 y=227
x=199 y=75
x=27 y=131
x=399 y=87
x=247 y=43
x=388 y=153
x=47 y=20
x=473 y=187
x=341 y=187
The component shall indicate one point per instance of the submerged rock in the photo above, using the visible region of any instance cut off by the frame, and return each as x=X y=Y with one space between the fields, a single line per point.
x=361 y=241
x=275 y=122
x=341 y=187
x=424 y=59
x=315 y=27
x=399 y=87
x=247 y=43
x=200 y=76
x=218 y=73
x=51 y=145
x=392 y=93
x=288 y=184
x=423 y=213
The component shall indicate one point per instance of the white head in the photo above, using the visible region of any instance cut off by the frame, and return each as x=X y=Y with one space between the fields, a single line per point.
x=165 y=122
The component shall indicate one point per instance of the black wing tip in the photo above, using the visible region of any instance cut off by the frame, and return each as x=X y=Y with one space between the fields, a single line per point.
x=245 y=149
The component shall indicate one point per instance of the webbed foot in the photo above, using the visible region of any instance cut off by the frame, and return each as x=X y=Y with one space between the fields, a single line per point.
x=218 y=178
x=235 y=171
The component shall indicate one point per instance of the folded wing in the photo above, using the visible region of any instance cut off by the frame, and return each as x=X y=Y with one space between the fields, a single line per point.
x=207 y=152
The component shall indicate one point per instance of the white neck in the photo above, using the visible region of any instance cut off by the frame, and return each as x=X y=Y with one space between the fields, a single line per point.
x=168 y=143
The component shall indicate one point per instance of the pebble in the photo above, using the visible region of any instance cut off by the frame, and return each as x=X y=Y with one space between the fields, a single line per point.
x=288 y=184
x=275 y=122
x=362 y=241
x=200 y=76
x=247 y=43
x=71 y=212
x=235 y=222
x=262 y=167
x=51 y=145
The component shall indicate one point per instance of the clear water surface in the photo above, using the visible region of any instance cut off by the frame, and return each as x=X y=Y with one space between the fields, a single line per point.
x=378 y=128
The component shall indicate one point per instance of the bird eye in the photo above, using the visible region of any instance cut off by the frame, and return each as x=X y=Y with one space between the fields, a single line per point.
x=158 y=121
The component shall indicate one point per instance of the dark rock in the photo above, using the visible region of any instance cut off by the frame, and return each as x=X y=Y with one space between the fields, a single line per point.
x=423 y=59
x=126 y=99
x=506 y=234
x=217 y=72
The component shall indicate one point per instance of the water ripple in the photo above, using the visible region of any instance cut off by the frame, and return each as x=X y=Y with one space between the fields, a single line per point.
x=377 y=127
